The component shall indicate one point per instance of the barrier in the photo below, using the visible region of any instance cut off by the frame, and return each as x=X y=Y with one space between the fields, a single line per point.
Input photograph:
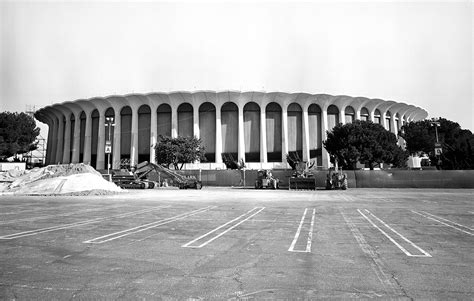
x=356 y=179
x=414 y=178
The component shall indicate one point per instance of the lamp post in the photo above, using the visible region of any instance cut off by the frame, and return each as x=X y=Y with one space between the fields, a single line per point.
x=438 y=149
x=108 y=143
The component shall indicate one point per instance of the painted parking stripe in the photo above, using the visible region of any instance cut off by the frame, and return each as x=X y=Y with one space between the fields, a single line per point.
x=310 y=234
x=446 y=222
x=120 y=234
x=251 y=213
x=32 y=219
x=77 y=224
x=425 y=254
x=377 y=265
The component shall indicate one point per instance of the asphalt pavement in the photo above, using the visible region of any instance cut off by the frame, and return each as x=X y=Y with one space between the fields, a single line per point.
x=239 y=244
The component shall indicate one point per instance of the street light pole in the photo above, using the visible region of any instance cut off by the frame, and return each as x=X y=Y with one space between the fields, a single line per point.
x=108 y=143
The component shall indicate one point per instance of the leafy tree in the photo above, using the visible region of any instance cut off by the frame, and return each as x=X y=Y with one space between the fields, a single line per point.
x=178 y=151
x=364 y=142
x=457 y=143
x=18 y=133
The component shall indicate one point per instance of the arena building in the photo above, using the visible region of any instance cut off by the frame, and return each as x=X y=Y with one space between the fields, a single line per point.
x=259 y=127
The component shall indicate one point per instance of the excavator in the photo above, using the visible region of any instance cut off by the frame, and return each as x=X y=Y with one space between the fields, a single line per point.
x=136 y=179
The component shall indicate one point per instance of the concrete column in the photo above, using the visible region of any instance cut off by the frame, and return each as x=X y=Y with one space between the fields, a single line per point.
x=384 y=121
x=67 y=142
x=324 y=128
x=60 y=141
x=88 y=139
x=372 y=115
x=342 y=116
x=218 y=135
x=394 y=125
x=284 y=147
x=358 y=114
x=134 y=138
x=77 y=138
x=306 y=155
x=153 y=136
x=102 y=136
x=174 y=122
x=263 y=136
x=241 y=140
x=196 y=122
x=117 y=140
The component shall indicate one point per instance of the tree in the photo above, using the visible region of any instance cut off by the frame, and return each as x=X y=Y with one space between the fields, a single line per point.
x=18 y=133
x=178 y=151
x=457 y=143
x=364 y=142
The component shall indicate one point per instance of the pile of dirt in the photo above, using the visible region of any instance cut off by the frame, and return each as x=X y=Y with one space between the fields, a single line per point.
x=64 y=179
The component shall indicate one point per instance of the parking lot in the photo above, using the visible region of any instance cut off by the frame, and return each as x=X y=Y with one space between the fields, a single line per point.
x=239 y=244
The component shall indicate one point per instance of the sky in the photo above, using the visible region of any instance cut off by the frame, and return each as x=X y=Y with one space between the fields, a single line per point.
x=416 y=52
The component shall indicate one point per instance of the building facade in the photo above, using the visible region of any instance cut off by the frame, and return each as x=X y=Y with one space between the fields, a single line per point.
x=259 y=127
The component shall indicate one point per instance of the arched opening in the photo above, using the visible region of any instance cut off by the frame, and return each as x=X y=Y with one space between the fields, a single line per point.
x=94 y=137
x=207 y=130
x=144 y=119
x=349 y=114
x=163 y=120
x=185 y=120
x=125 y=135
x=71 y=134
x=295 y=130
x=252 y=132
x=273 y=126
x=377 y=117
x=230 y=129
x=388 y=121
x=315 y=133
x=82 y=138
x=109 y=134
x=333 y=116
x=364 y=114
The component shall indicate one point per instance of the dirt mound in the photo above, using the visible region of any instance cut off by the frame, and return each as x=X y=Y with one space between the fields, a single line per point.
x=66 y=179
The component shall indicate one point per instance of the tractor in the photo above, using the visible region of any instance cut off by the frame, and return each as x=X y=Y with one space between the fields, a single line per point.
x=265 y=179
x=336 y=179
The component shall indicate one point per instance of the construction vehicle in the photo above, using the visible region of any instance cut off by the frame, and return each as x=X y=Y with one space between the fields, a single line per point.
x=182 y=182
x=136 y=179
x=265 y=179
x=336 y=179
x=303 y=178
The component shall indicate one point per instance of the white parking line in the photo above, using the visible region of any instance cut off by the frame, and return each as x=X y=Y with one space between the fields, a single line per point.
x=119 y=234
x=430 y=216
x=376 y=263
x=254 y=212
x=32 y=219
x=310 y=234
x=77 y=224
x=425 y=254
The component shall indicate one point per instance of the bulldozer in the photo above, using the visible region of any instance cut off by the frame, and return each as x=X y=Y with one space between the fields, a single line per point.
x=265 y=179
x=336 y=179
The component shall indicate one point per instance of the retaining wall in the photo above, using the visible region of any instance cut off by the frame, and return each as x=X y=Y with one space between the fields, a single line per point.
x=356 y=179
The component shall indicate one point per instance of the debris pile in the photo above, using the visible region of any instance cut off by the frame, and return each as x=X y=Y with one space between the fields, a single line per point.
x=64 y=179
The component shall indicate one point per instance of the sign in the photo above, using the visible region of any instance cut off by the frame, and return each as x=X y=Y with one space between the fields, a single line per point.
x=438 y=149
x=108 y=147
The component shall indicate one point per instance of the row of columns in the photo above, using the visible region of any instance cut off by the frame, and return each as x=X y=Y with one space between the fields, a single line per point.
x=59 y=140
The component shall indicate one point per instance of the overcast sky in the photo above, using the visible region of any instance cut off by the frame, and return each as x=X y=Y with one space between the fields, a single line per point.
x=417 y=52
